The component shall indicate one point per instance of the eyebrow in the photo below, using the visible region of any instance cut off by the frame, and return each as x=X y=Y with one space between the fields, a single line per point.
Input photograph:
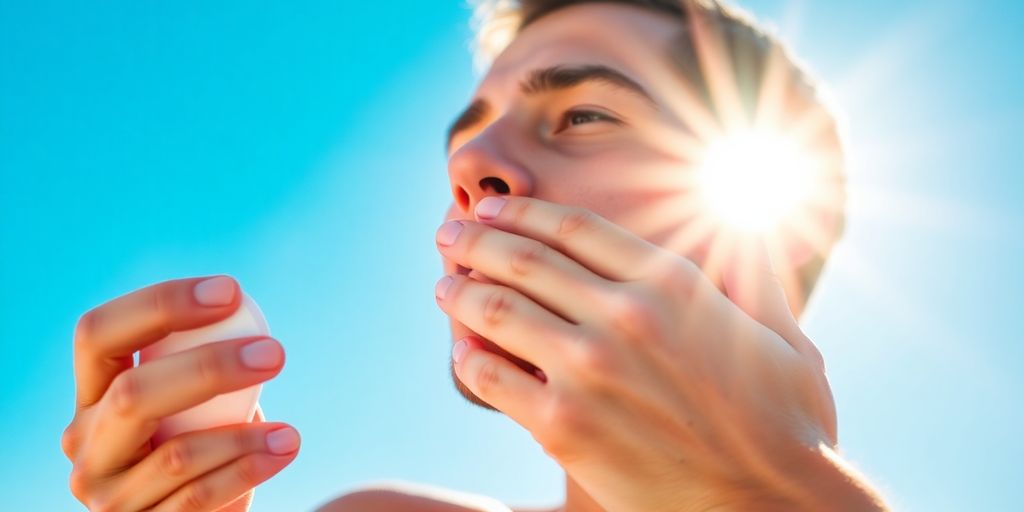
x=554 y=78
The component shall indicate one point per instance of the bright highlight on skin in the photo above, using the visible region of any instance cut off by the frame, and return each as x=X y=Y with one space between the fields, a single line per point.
x=754 y=181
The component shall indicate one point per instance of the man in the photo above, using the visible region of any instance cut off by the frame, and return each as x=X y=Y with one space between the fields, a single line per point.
x=648 y=345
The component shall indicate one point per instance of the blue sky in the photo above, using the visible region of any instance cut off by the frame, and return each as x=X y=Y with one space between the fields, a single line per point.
x=299 y=149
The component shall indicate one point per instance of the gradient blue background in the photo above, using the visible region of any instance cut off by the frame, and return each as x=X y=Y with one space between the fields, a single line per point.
x=299 y=149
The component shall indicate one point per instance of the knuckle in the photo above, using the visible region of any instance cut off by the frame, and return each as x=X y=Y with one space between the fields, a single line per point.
x=78 y=482
x=526 y=257
x=175 y=458
x=564 y=415
x=633 y=316
x=574 y=221
x=819 y=361
x=488 y=377
x=69 y=441
x=162 y=300
x=210 y=365
x=592 y=361
x=521 y=211
x=241 y=440
x=248 y=471
x=497 y=307
x=554 y=443
x=125 y=393
x=563 y=430
x=815 y=358
x=196 y=497
x=103 y=503
x=677 y=276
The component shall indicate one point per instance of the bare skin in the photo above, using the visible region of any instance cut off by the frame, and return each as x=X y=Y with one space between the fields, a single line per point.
x=665 y=385
x=574 y=274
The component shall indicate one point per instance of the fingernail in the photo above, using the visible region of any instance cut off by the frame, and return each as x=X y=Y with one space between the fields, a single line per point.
x=489 y=207
x=441 y=288
x=449 y=232
x=459 y=350
x=283 y=441
x=216 y=291
x=262 y=354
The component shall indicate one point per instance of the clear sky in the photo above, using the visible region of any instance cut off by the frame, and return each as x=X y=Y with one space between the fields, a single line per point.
x=299 y=149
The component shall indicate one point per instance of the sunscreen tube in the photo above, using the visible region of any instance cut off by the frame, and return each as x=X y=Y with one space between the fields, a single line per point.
x=226 y=409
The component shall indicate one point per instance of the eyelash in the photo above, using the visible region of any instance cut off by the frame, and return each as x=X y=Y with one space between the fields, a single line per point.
x=569 y=115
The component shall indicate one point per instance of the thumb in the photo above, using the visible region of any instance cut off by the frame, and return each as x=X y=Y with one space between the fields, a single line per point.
x=752 y=282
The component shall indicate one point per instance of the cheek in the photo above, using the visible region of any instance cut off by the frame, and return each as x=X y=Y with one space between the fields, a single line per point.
x=643 y=192
x=647 y=192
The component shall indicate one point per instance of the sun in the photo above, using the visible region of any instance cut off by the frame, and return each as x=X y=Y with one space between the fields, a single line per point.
x=755 y=180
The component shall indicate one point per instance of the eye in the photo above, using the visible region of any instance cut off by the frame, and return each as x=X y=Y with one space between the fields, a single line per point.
x=579 y=117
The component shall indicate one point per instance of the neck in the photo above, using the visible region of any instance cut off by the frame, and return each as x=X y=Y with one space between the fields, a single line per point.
x=577 y=500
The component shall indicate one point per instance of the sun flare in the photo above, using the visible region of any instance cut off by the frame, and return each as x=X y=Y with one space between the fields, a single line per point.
x=755 y=180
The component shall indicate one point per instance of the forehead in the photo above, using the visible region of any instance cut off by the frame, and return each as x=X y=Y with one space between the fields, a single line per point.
x=627 y=38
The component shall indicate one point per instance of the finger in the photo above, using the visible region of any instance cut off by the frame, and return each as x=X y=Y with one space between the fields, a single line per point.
x=74 y=434
x=257 y=416
x=504 y=316
x=605 y=248
x=225 y=484
x=127 y=415
x=499 y=382
x=752 y=283
x=191 y=455
x=547 y=276
x=107 y=336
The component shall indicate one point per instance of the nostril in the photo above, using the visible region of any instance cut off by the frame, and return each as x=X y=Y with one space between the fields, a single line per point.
x=462 y=199
x=497 y=184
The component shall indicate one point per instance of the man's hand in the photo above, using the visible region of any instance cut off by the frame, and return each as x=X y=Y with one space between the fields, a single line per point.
x=119 y=406
x=661 y=393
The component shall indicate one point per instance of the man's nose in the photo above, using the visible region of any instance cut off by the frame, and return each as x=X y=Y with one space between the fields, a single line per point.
x=482 y=167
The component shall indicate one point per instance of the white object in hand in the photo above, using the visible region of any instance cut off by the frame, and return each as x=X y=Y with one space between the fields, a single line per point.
x=229 y=408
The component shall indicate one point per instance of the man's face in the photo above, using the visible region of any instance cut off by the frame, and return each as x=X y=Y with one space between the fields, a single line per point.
x=583 y=108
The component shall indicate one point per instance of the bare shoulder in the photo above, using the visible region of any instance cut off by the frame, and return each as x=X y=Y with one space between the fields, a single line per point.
x=401 y=496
